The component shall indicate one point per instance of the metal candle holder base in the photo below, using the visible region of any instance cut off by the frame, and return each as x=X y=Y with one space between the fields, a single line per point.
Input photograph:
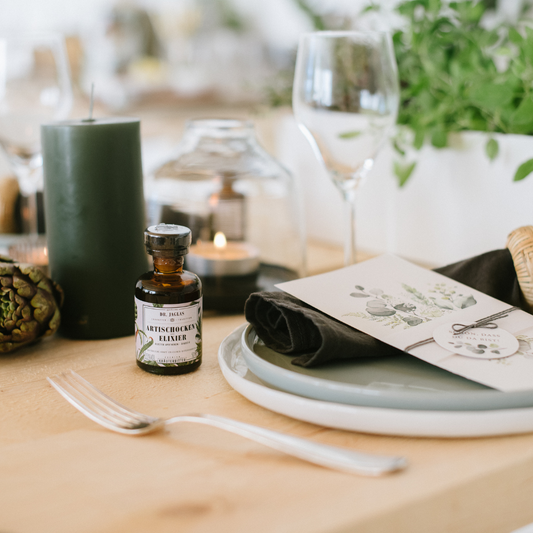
x=227 y=294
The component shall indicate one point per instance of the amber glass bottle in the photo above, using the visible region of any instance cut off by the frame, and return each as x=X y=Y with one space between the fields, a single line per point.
x=168 y=305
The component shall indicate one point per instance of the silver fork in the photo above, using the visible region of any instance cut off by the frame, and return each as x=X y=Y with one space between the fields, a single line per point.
x=107 y=412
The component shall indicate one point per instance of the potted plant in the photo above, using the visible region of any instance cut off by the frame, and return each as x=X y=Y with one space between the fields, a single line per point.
x=464 y=143
x=458 y=75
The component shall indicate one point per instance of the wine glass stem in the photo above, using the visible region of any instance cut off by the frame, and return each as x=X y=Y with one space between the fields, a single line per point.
x=29 y=175
x=30 y=220
x=349 y=228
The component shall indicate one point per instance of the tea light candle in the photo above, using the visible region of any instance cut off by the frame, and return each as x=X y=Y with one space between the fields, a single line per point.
x=222 y=258
x=32 y=251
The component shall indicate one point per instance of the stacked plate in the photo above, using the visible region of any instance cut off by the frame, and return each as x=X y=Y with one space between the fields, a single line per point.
x=390 y=396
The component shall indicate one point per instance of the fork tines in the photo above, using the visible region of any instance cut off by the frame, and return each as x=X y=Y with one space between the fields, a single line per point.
x=96 y=405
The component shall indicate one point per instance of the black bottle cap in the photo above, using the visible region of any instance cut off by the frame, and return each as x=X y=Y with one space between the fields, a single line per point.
x=167 y=239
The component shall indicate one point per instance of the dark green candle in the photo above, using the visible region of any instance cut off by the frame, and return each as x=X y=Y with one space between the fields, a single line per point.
x=94 y=208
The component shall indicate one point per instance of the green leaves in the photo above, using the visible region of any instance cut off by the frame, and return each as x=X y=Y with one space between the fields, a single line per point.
x=349 y=135
x=492 y=148
x=449 y=79
x=515 y=37
x=521 y=120
x=524 y=170
x=444 y=68
x=318 y=22
x=469 y=12
x=371 y=7
x=146 y=343
x=403 y=171
x=492 y=97
x=439 y=138
x=144 y=348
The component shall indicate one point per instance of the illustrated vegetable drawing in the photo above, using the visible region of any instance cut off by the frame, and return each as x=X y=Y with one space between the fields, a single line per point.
x=29 y=305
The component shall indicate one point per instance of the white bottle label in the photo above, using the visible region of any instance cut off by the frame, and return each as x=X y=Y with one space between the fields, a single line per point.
x=168 y=335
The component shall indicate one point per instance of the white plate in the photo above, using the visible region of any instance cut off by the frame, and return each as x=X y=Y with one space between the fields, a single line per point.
x=399 y=382
x=383 y=421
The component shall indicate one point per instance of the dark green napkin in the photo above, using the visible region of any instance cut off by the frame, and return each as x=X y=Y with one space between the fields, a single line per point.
x=292 y=327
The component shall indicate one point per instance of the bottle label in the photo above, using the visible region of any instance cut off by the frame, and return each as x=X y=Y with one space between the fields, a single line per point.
x=168 y=334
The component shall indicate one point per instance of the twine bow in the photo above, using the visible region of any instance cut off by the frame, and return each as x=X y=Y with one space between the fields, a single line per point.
x=483 y=322
x=486 y=322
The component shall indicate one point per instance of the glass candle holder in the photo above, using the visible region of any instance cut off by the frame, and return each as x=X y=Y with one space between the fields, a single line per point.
x=242 y=206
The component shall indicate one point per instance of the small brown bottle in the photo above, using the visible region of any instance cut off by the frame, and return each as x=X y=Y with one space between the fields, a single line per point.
x=168 y=305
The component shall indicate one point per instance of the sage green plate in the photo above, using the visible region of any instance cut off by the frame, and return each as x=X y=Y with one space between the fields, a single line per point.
x=403 y=382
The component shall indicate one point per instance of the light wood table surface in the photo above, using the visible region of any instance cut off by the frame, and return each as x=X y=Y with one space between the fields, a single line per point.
x=62 y=473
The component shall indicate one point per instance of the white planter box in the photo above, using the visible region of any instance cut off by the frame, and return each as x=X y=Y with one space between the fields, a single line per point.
x=455 y=205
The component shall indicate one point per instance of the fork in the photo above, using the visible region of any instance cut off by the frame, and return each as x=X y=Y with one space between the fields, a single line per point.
x=109 y=413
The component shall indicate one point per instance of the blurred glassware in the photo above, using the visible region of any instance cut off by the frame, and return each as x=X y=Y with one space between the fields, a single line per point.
x=33 y=251
x=223 y=181
x=9 y=192
x=189 y=50
x=34 y=88
x=124 y=56
x=213 y=50
x=345 y=100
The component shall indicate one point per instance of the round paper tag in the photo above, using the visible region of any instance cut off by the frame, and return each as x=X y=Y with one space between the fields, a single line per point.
x=481 y=343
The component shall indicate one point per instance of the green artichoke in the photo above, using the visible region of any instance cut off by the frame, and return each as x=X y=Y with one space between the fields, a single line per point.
x=29 y=305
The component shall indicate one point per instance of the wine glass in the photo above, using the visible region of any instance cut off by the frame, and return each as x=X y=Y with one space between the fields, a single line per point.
x=345 y=100
x=34 y=88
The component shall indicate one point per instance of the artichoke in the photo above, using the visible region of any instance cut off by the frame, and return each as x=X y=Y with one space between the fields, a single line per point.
x=29 y=305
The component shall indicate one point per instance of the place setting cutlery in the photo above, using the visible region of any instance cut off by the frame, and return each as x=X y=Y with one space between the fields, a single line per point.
x=112 y=415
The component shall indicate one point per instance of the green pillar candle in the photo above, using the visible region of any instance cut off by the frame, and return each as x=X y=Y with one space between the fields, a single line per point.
x=94 y=209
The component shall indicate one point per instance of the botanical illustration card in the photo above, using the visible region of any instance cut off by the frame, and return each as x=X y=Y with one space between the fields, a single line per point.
x=402 y=304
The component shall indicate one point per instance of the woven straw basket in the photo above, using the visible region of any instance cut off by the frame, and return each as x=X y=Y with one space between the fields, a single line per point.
x=520 y=244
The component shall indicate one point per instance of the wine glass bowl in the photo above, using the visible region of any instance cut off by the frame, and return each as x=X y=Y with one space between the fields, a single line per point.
x=34 y=88
x=345 y=100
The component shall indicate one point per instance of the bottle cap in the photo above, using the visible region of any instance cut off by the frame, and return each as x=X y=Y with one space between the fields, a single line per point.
x=167 y=239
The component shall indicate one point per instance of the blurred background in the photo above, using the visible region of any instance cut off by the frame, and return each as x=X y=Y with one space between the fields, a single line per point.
x=211 y=50
x=167 y=61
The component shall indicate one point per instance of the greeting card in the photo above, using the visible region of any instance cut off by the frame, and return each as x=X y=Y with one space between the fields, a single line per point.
x=432 y=317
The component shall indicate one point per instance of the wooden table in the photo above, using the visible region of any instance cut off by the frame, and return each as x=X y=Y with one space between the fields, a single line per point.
x=60 y=472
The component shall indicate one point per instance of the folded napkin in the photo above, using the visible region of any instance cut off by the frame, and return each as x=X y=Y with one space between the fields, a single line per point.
x=289 y=326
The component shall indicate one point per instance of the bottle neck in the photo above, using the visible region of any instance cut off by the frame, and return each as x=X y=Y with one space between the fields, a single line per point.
x=168 y=265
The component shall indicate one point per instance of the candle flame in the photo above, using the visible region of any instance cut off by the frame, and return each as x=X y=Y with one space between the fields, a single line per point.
x=220 y=240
